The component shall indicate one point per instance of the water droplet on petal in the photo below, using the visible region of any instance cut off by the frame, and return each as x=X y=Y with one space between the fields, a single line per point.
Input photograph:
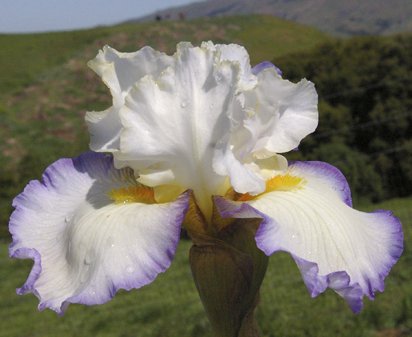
x=110 y=242
x=92 y=290
x=296 y=238
x=130 y=269
x=183 y=104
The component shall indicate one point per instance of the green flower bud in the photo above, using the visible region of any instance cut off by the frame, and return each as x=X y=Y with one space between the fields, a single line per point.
x=228 y=270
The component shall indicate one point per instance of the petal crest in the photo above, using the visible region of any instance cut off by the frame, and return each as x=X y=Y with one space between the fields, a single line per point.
x=333 y=245
x=86 y=246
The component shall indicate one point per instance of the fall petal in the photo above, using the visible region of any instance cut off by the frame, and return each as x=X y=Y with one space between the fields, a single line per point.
x=333 y=245
x=85 y=244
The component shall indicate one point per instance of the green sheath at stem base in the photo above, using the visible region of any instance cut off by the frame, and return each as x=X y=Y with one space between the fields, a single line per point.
x=228 y=270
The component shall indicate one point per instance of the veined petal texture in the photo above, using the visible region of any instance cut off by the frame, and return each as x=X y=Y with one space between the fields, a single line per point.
x=91 y=230
x=201 y=119
x=308 y=214
x=171 y=122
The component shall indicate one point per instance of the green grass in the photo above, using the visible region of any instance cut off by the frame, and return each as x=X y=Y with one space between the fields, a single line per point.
x=170 y=306
x=28 y=58
x=266 y=35
x=25 y=58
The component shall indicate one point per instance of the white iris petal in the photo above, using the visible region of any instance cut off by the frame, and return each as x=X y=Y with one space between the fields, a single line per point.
x=275 y=116
x=86 y=245
x=119 y=71
x=173 y=121
x=309 y=215
x=235 y=53
x=200 y=119
x=283 y=112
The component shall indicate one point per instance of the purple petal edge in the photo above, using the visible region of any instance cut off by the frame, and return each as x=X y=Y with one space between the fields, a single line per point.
x=81 y=164
x=395 y=226
x=264 y=65
x=127 y=285
x=27 y=253
x=232 y=209
x=32 y=188
x=338 y=181
x=46 y=182
x=330 y=172
x=339 y=281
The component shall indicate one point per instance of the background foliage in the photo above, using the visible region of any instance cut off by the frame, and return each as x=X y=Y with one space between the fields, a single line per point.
x=365 y=128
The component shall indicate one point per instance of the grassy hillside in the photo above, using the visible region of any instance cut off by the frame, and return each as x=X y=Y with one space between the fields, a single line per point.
x=46 y=87
x=25 y=58
x=170 y=307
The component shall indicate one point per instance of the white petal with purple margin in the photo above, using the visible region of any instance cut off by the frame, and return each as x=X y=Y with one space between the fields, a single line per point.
x=84 y=246
x=333 y=245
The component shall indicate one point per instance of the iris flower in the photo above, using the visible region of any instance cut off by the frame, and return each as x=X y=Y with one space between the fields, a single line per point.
x=201 y=126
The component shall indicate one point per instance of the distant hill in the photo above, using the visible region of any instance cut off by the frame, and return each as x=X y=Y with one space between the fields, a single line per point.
x=350 y=17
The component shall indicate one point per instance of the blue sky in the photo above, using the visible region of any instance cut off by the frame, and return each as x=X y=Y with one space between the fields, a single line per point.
x=20 y=16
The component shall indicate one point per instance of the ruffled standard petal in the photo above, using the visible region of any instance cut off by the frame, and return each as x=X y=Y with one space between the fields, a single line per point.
x=91 y=230
x=104 y=129
x=172 y=122
x=275 y=116
x=200 y=119
x=235 y=53
x=306 y=213
x=119 y=71
x=281 y=113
